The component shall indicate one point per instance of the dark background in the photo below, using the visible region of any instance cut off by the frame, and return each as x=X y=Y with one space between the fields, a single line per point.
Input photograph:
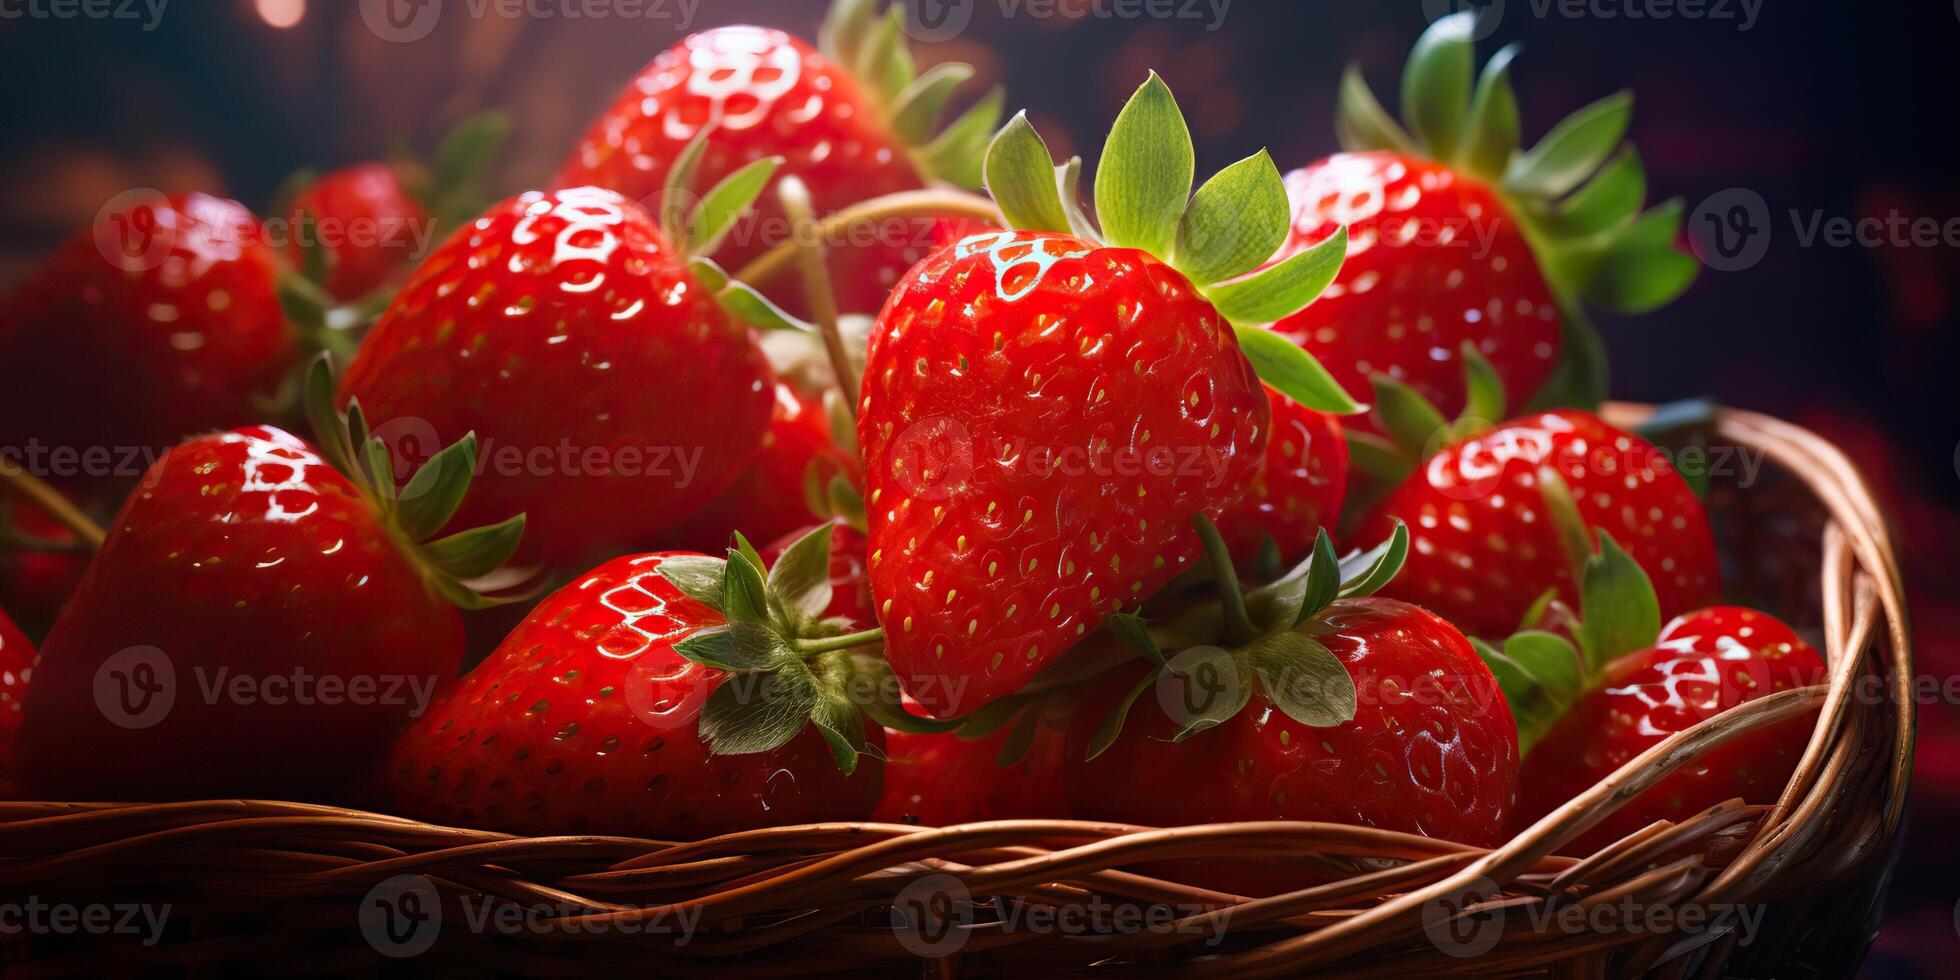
x=1839 y=111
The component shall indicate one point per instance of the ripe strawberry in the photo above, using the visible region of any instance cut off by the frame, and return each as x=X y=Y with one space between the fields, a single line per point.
x=1297 y=490
x=365 y=223
x=1487 y=547
x=1701 y=665
x=17 y=663
x=1015 y=772
x=541 y=327
x=625 y=705
x=1044 y=412
x=1456 y=237
x=161 y=321
x=260 y=622
x=1354 y=710
x=835 y=115
x=41 y=560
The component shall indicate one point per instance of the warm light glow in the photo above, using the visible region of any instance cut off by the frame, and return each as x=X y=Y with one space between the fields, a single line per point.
x=282 y=13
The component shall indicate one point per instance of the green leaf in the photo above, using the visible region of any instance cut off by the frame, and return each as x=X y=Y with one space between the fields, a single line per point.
x=463 y=159
x=1021 y=177
x=801 y=576
x=1143 y=183
x=744 y=303
x=842 y=728
x=1291 y=371
x=679 y=186
x=1132 y=629
x=379 y=462
x=1303 y=591
x=883 y=63
x=1436 y=83
x=1642 y=282
x=846 y=504
x=744 y=596
x=1304 y=679
x=1112 y=723
x=1237 y=220
x=699 y=577
x=1378 y=457
x=724 y=205
x=1494 y=125
x=956 y=155
x=886 y=706
x=329 y=428
x=1562 y=511
x=736 y=646
x=1068 y=180
x=1214 y=686
x=1323 y=577
x=758 y=711
x=1613 y=196
x=844 y=29
x=1361 y=123
x=713 y=277
x=436 y=490
x=1541 y=677
x=1414 y=424
x=1485 y=401
x=1618 y=610
x=1573 y=150
x=918 y=109
x=1281 y=290
x=1015 y=747
x=478 y=551
x=1365 y=573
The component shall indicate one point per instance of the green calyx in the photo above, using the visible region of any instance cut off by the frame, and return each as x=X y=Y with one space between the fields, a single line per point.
x=1265 y=638
x=1577 y=194
x=1219 y=237
x=871 y=46
x=788 y=665
x=1414 y=429
x=1558 y=656
x=468 y=567
x=698 y=224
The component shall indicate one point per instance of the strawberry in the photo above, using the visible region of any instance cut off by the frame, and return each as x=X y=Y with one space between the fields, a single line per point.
x=850 y=581
x=1323 y=704
x=1593 y=689
x=543 y=327
x=161 y=321
x=1298 y=488
x=41 y=560
x=939 y=779
x=260 y=622
x=1044 y=410
x=17 y=663
x=357 y=228
x=1489 y=545
x=627 y=704
x=1455 y=237
x=852 y=119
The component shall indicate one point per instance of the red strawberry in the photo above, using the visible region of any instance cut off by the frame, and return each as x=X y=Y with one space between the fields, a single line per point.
x=1316 y=702
x=772 y=495
x=1702 y=664
x=1016 y=772
x=162 y=320
x=367 y=225
x=1486 y=546
x=1456 y=237
x=256 y=624
x=1044 y=413
x=1298 y=488
x=850 y=580
x=592 y=718
x=573 y=337
x=834 y=116
x=40 y=575
x=17 y=663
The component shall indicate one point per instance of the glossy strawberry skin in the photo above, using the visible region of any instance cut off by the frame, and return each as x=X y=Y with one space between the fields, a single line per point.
x=565 y=321
x=1703 y=664
x=584 y=722
x=767 y=499
x=174 y=338
x=368 y=224
x=17 y=664
x=1041 y=418
x=1431 y=750
x=1434 y=259
x=769 y=94
x=943 y=780
x=1483 y=547
x=1298 y=488
x=241 y=555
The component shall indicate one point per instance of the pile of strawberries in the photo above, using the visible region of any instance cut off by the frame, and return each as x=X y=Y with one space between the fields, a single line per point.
x=1283 y=498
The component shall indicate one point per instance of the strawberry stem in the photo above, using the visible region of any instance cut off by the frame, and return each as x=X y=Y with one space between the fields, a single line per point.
x=848 y=641
x=1239 y=630
x=32 y=488
x=817 y=287
x=937 y=202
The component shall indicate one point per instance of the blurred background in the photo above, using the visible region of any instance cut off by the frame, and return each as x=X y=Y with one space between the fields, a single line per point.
x=1808 y=116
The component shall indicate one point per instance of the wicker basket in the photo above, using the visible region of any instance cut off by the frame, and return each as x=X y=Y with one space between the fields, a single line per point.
x=1788 y=889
